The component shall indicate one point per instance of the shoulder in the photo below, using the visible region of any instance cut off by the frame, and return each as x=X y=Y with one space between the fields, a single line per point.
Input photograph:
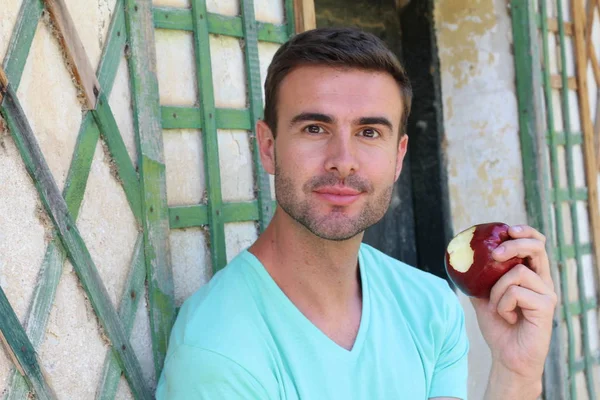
x=221 y=323
x=192 y=372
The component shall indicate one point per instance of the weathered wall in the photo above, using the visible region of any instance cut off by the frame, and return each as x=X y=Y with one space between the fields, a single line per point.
x=74 y=348
x=482 y=132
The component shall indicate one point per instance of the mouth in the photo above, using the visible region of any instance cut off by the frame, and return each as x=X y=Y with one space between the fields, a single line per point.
x=337 y=195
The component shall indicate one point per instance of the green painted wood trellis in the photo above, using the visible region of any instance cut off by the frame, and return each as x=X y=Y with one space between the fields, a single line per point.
x=552 y=204
x=132 y=25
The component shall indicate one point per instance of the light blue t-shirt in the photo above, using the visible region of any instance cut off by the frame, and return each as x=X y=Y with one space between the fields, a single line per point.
x=240 y=337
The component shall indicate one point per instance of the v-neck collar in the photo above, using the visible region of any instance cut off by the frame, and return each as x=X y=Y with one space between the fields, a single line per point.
x=282 y=300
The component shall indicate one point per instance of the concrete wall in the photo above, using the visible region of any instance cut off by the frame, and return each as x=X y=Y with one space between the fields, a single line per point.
x=482 y=132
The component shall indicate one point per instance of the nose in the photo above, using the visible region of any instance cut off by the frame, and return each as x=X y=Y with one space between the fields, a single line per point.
x=341 y=156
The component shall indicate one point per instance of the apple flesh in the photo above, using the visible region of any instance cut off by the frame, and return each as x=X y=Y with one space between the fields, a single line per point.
x=469 y=261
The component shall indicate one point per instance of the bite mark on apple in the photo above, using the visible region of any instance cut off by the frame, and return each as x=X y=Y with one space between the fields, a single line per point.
x=460 y=252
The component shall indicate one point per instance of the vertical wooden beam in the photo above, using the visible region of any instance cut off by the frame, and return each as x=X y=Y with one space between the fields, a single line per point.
x=533 y=150
x=151 y=164
x=265 y=204
x=210 y=140
x=80 y=63
x=305 y=18
x=585 y=115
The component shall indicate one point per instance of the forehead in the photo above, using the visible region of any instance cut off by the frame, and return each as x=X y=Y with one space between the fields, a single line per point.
x=339 y=92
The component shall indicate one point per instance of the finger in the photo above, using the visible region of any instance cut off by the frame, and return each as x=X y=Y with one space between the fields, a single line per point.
x=522 y=276
x=529 y=302
x=525 y=247
x=531 y=249
x=525 y=231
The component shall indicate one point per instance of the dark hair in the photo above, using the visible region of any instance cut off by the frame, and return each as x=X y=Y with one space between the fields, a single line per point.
x=334 y=47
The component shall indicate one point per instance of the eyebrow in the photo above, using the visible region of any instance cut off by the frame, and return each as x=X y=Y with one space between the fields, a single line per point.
x=311 y=116
x=375 y=121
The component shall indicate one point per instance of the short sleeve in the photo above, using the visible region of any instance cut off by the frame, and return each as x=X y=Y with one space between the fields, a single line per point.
x=451 y=368
x=195 y=373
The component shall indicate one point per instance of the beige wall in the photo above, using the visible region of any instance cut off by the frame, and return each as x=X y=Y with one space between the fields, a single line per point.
x=481 y=126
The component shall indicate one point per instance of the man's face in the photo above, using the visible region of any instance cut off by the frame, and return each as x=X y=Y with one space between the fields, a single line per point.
x=336 y=154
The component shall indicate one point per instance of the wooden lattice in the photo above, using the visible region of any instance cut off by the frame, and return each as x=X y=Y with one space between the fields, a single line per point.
x=132 y=27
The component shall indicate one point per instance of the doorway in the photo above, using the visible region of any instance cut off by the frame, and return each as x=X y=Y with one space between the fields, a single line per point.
x=417 y=227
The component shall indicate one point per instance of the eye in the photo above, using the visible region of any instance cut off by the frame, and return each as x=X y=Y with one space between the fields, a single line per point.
x=370 y=133
x=314 y=129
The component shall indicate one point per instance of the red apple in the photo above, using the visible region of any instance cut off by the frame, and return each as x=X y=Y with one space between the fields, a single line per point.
x=469 y=261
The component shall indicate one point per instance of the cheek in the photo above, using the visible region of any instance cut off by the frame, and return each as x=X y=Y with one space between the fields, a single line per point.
x=299 y=160
x=380 y=166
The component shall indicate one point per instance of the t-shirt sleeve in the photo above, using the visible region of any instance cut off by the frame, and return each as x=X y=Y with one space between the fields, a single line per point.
x=451 y=369
x=195 y=373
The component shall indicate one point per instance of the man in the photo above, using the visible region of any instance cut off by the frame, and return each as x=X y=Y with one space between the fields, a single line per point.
x=308 y=312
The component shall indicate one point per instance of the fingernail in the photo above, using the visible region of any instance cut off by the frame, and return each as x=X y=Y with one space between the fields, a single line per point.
x=499 y=250
x=517 y=228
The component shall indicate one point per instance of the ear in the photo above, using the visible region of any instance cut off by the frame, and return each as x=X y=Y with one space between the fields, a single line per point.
x=266 y=146
x=402 y=148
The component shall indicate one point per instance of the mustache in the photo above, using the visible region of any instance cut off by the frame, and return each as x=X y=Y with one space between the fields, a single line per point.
x=354 y=182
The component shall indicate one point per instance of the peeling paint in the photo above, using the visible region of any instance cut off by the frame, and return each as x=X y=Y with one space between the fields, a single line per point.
x=460 y=23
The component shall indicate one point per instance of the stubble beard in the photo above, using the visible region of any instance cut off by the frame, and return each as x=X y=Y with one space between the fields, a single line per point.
x=336 y=225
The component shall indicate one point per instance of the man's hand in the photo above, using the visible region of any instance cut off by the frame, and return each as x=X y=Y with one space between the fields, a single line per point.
x=516 y=322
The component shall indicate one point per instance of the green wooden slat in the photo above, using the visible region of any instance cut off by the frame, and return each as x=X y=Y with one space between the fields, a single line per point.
x=146 y=106
x=174 y=117
x=194 y=216
x=228 y=118
x=173 y=18
x=21 y=39
x=261 y=178
x=272 y=33
x=568 y=251
x=535 y=177
x=580 y=365
x=22 y=349
x=188 y=216
x=130 y=300
x=576 y=307
x=560 y=196
x=125 y=169
x=571 y=181
x=290 y=20
x=209 y=134
x=113 y=50
x=560 y=139
x=558 y=217
x=81 y=162
x=67 y=230
x=181 y=19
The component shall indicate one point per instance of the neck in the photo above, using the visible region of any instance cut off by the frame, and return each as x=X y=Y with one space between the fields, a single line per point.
x=321 y=277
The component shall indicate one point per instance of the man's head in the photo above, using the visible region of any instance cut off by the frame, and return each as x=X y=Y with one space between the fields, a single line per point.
x=337 y=103
x=336 y=48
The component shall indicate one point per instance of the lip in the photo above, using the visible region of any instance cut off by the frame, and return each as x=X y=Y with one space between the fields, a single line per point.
x=339 y=196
